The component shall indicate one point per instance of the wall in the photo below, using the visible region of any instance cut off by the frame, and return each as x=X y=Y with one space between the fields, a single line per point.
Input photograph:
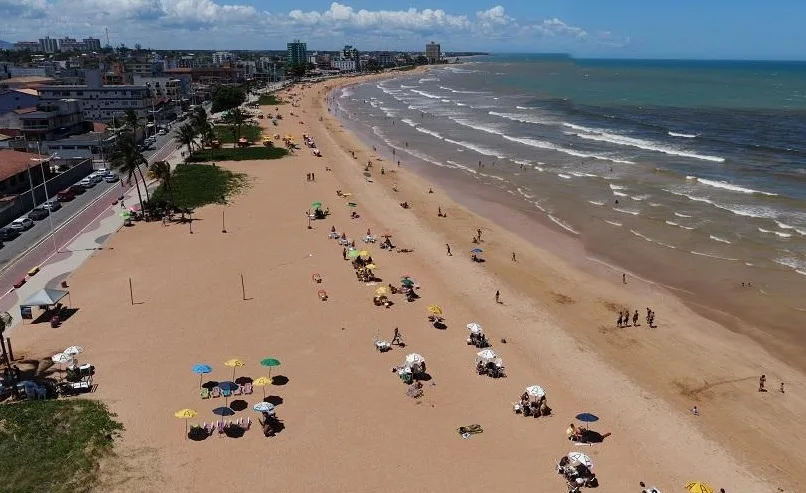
x=23 y=203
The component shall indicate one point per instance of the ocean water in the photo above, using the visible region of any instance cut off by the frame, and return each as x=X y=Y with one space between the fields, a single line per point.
x=679 y=162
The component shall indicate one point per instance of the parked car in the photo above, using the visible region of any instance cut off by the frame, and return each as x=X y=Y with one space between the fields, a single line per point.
x=8 y=234
x=52 y=205
x=87 y=183
x=65 y=195
x=39 y=213
x=96 y=177
x=77 y=189
x=162 y=131
x=22 y=224
x=111 y=177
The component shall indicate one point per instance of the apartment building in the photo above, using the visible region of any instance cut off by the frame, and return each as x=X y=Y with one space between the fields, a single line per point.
x=99 y=102
x=52 y=120
x=48 y=45
x=222 y=57
x=174 y=88
x=343 y=65
x=433 y=52
x=297 y=53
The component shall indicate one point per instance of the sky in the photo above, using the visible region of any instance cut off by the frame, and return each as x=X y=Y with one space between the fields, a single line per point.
x=739 y=29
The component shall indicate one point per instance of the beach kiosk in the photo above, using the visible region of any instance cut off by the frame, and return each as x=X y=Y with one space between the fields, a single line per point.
x=45 y=299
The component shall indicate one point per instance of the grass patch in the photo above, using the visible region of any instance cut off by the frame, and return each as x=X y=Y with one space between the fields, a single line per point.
x=54 y=445
x=269 y=100
x=194 y=186
x=233 y=154
x=226 y=135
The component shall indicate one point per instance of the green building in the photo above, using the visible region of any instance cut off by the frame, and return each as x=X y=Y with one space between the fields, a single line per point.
x=297 y=53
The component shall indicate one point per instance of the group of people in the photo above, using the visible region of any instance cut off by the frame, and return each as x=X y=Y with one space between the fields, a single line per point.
x=624 y=318
x=536 y=408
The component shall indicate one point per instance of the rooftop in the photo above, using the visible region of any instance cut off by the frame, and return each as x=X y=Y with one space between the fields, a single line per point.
x=14 y=162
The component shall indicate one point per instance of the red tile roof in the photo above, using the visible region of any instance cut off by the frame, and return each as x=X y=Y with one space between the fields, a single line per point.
x=14 y=162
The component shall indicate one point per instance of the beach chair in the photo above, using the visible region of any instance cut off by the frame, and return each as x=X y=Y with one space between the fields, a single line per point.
x=247 y=423
x=216 y=392
x=237 y=391
x=209 y=428
x=220 y=427
x=226 y=392
x=205 y=393
x=247 y=388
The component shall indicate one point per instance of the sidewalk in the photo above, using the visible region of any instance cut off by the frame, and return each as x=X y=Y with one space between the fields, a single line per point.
x=71 y=255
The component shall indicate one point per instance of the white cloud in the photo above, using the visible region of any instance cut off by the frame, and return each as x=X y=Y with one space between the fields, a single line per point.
x=208 y=24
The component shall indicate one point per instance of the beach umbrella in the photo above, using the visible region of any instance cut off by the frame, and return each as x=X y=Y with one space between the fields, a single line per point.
x=414 y=359
x=477 y=250
x=270 y=363
x=352 y=254
x=201 y=369
x=486 y=355
x=229 y=386
x=264 y=407
x=535 y=391
x=125 y=214
x=587 y=417
x=316 y=205
x=364 y=253
x=699 y=487
x=262 y=382
x=434 y=309
x=346 y=194
x=474 y=328
x=382 y=291
x=234 y=363
x=223 y=411
x=371 y=266
x=73 y=350
x=352 y=204
x=186 y=414
x=585 y=460
x=407 y=282
x=61 y=359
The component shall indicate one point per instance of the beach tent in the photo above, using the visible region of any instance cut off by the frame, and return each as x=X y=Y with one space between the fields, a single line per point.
x=45 y=297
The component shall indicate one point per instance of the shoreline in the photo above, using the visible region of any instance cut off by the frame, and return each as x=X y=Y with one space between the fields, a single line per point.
x=349 y=424
x=760 y=313
x=601 y=274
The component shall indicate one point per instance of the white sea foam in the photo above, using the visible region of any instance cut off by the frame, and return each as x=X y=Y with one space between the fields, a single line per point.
x=583 y=175
x=783 y=225
x=679 y=214
x=527 y=164
x=620 y=194
x=480 y=149
x=409 y=122
x=523 y=108
x=564 y=176
x=428 y=95
x=521 y=117
x=627 y=211
x=614 y=223
x=796 y=264
x=720 y=240
x=546 y=145
x=597 y=202
x=429 y=132
x=728 y=186
x=712 y=256
x=523 y=192
x=685 y=136
x=346 y=92
x=602 y=136
x=475 y=125
x=616 y=187
x=777 y=233
x=457 y=91
x=459 y=104
x=408 y=87
x=639 y=197
x=672 y=223
x=463 y=167
x=563 y=225
x=428 y=79
x=644 y=237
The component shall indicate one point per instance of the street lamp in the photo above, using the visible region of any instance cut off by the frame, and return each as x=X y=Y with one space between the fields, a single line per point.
x=45 y=185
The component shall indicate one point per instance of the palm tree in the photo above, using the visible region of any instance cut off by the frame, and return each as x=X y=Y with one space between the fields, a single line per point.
x=161 y=170
x=127 y=160
x=131 y=120
x=199 y=119
x=207 y=136
x=186 y=136
x=237 y=118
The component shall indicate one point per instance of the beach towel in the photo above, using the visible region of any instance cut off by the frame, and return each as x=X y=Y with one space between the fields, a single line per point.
x=467 y=431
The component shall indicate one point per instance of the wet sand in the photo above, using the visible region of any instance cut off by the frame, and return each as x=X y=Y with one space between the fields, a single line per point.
x=349 y=424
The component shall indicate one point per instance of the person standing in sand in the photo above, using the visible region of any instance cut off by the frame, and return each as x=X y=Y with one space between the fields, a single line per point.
x=624 y=278
x=635 y=318
x=479 y=234
x=761 y=381
x=620 y=318
x=513 y=257
x=782 y=387
x=448 y=247
x=497 y=296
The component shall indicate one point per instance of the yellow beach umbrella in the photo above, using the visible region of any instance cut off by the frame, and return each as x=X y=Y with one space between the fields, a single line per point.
x=364 y=253
x=434 y=309
x=262 y=382
x=381 y=291
x=347 y=194
x=186 y=414
x=234 y=363
x=699 y=487
x=371 y=266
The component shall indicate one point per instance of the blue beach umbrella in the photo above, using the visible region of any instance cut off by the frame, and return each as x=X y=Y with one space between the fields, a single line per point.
x=477 y=250
x=228 y=386
x=201 y=369
x=587 y=417
x=223 y=411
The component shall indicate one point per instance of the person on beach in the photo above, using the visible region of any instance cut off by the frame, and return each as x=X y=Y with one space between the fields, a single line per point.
x=652 y=319
x=448 y=247
x=624 y=278
x=635 y=318
x=620 y=318
x=479 y=234
x=396 y=338
x=761 y=381
x=497 y=296
x=695 y=411
x=513 y=257
x=344 y=253
x=313 y=176
x=782 y=387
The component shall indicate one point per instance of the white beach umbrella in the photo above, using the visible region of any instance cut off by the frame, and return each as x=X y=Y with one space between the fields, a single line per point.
x=581 y=458
x=61 y=358
x=73 y=350
x=414 y=359
x=535 y=391
x=474 y=328
x=487 y=355
x=264 y=407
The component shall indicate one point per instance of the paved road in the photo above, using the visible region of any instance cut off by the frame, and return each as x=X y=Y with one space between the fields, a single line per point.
x=70 y=220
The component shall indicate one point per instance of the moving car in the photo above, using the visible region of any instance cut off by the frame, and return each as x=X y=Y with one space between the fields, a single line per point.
x=39 y=212
x=22 y=224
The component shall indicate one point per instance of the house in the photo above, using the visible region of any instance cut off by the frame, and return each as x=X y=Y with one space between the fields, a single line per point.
x=52 y=120
x=82 y=146
x=14 y=167
x=15 y=99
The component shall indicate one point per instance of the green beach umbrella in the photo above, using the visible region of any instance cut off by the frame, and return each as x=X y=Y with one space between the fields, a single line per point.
x=352 y=204
x=269 y=363
x=316 y=205
x=125 y=214
x=353 y=254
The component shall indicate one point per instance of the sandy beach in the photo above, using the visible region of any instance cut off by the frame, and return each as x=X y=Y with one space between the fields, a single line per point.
x=349 y=425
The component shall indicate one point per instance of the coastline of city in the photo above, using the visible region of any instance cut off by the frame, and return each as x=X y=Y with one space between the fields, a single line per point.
x=249 y=287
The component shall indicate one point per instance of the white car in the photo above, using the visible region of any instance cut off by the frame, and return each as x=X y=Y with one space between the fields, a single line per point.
x=111 y=177
x=162 y=131
x=87 y=183
x=96 y=177
x=22 y=224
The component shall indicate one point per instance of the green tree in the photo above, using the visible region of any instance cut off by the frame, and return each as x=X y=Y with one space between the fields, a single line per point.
x=421 y=60
x=131 y=120
x=227 y=97
x=237 y=118
x=186 y=136
x=126 y=159
x=199 y=119
x=161 y=170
